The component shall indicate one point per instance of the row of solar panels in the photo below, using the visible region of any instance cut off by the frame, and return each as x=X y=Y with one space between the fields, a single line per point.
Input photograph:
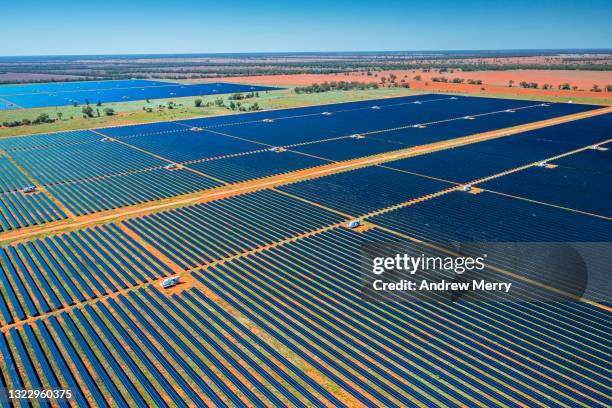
x=62 y=157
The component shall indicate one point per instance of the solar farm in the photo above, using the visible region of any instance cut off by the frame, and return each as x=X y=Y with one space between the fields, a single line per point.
x=68 y=93
x=254 y=214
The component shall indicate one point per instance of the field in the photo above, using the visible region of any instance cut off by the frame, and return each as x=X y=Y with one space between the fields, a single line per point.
x=493 y=82
x=252 y=212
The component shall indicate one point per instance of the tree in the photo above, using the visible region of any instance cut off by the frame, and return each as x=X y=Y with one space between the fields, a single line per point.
x=59 y=115
x=417 y=77
x=565 y=86
x=595 y=88
x=510 y=83
x=608 y=88
x=232 y=105
x=99 y=103
x=197 y=103
x=109 y=111
x=87 y=111
x=42 y=118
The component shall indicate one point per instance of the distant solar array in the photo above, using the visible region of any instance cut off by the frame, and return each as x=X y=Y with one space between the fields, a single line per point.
x=273 y=312
x=69 y=93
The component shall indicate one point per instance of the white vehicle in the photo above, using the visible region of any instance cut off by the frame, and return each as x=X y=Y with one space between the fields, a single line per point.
x=354 y=224
x=196 y=129
x=267 y=120
x=466 y=188
x=375 y=107
x=28 y=189
x=170 y=166
x=170 y=282
x=326 y=113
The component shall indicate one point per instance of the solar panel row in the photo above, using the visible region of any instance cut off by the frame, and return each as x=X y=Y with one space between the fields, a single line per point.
x=19 y=210
x=83 y=160
x=202 y=233
x=49 y=274
x=360 y=191
x=197 y=367
x=65 y=94
x=84 y=197
x=434 y=353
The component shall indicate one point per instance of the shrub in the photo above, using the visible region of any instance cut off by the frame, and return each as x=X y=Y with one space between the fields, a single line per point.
x=87 y=111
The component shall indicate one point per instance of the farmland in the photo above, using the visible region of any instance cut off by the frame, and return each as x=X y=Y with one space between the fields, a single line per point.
x=251 y=211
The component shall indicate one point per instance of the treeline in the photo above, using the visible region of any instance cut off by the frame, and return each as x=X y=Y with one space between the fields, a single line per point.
x=563 y=87
x=42 y=118
x=457 y=80
x=336 y=86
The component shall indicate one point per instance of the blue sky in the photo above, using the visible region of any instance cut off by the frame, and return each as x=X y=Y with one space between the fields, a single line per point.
x=122 y=27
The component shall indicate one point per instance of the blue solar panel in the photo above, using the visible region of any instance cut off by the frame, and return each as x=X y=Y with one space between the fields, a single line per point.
x=348 y=148
x=460 y=164
x=361 y=191
x=592 y=160
x=67 y=93
x=444 y=116
x=566 y=187
x=184 y=146
x=256 y=165
x=76 y=86
x=489 y=217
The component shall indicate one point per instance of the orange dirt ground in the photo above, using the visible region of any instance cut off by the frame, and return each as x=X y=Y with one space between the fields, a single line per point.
x=493 y=81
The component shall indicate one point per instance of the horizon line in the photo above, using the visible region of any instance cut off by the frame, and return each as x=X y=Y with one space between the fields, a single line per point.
x=605 y=50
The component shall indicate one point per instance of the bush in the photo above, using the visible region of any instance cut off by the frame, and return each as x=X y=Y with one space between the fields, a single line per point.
x=595 y=88
x=197 y=103
x=109 y=111
x=87 y=111
x=42 y=118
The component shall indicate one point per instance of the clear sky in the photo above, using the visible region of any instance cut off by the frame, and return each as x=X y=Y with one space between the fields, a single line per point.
x=30 y=27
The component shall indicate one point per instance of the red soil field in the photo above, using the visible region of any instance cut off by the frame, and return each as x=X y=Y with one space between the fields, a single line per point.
x=493 y=81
